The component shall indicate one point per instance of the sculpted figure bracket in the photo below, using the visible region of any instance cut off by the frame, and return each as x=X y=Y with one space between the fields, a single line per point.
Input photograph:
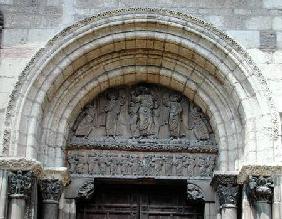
x=194 y=193
x=86 y=191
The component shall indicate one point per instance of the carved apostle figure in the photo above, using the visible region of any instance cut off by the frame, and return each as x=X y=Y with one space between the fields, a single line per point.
x=200 y=128
x=72 y=161
x=174 y=116
x=112 y=109
x=88 y=122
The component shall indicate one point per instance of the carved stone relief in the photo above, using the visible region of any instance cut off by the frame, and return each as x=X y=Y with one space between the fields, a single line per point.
x=260 y=188
x=51 y=189
x=116 y=163
x=86 y=191
x=20 y=183
x=227 y=189
x=139 y=116
x=194 y=193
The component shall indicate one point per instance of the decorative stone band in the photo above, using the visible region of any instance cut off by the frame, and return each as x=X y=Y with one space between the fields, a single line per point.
x=194 y=193
x=51 y=189
x=227 y=190
x=260 y=188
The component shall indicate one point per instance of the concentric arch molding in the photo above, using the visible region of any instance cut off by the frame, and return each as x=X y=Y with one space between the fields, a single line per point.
x=202 y=28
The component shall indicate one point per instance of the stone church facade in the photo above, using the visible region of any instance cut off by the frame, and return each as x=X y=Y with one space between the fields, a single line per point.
x=129 y=109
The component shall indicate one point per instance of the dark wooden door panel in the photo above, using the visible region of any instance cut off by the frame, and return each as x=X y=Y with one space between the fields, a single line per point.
x=139 y=202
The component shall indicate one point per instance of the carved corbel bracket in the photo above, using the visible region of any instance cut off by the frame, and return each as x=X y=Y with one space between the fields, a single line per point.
x=86 y=191
x=20 y=183
x=227 y=190
x=260 y=188
x=51 y=189
x=194 y=193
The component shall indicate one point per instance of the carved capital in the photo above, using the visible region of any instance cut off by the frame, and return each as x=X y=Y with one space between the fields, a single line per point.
x=227 y=189
x=194 y=193
x=260 y=188
x=20 y=183
x=51 y=189
x=86 y=191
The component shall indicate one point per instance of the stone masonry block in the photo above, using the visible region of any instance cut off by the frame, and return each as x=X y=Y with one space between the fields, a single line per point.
x=268 y=40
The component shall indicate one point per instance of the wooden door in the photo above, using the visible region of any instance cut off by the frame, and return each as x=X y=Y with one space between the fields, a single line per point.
x=139 y=202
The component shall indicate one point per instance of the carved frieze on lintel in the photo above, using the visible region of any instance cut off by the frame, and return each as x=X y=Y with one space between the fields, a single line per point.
x=260 y=188
x=20 y=183
x=227 y=189
x=51 y=189
x=194 y=193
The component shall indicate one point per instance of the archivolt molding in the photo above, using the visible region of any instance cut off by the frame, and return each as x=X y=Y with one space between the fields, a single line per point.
x=228 y=85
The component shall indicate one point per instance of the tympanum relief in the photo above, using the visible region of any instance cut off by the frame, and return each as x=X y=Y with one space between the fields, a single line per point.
x=143 y=130
x=142 y=116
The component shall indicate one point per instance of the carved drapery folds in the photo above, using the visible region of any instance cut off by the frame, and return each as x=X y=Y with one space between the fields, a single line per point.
x=142 y=115
x=20 y=183
x=86 y=191
x=260 y=188
x=51 y=189
x=227 y=189
x=194 y=193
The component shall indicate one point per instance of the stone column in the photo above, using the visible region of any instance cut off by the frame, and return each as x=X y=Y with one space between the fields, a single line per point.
x=3 y=193
x=260 y=192
x=51 y=190
x=227 y=191
x=20 y=184
x=277 y=197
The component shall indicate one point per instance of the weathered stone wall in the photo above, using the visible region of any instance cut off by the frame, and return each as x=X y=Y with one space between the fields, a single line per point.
x=29 y=24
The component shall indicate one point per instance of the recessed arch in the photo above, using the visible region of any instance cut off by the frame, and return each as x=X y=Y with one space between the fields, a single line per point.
x=149 y=45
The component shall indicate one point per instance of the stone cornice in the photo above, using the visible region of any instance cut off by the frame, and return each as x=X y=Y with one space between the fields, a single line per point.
x=257 y=170
x=25 y=164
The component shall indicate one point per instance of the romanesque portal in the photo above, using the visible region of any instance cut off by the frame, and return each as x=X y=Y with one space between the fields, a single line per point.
x=140 y=136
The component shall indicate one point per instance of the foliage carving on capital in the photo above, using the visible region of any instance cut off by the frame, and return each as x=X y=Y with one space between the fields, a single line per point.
x=194 y=193
x=20 y=182
x=51 y=189
x=227 y=189
x=260 y=188
x=86 y=191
